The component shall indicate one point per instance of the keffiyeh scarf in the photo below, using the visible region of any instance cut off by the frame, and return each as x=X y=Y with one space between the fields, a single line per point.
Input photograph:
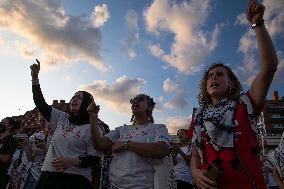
x=278 y=158
x=218 y=121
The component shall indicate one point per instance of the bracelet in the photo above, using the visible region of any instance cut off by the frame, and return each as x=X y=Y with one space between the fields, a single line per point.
x=126 y=145
x=257 y=23
x=35 y=82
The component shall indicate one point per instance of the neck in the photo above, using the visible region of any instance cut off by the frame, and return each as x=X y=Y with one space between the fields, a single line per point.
x=215 y=100
x=141 y=120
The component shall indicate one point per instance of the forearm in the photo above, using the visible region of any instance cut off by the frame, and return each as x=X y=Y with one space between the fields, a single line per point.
x=195 y=160
x=40 y=103
x=100 y=142
x=75 y=161
x=280 y=184
x=185 y=156
x=151 y=150
x=267 y=53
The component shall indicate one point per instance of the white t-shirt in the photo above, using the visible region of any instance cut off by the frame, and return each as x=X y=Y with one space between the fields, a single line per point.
x=69 y=140
x=128 y=169
x=182 y=170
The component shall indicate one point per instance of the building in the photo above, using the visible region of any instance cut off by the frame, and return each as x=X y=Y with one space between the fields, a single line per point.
x=273 y=118
x=31 y=120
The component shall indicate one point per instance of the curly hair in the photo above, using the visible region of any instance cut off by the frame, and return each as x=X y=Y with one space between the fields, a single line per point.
x=150 y=103
x=232 y=94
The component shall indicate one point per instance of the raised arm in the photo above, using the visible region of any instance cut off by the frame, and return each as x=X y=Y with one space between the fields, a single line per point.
x=101 y=142
x=267 y=55
x=39 y=100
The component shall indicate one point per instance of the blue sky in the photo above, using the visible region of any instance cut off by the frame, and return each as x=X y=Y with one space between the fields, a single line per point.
x=116 y=49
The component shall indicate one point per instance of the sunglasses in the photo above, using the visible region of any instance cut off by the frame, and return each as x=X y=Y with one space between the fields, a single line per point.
x=137 y=100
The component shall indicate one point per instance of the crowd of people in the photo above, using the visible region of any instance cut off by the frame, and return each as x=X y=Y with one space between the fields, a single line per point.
x=75 y=149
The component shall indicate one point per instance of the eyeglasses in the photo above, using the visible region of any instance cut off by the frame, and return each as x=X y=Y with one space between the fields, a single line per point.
x=137 y=100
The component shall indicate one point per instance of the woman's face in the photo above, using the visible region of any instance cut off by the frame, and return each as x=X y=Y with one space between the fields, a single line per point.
x=76 y=102
x=182 y=135
x=139 y=104
x=218 y=82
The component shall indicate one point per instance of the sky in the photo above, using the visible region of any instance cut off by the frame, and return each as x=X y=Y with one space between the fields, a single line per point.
x=116 y=49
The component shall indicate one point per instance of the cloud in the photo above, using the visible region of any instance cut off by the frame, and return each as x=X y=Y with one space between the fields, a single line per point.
x=60 y=38
x=133 y=35
x=174 y=123
x=247 y=70
x=170 y=86
x=100 y=15
x=191 y=45
x=117 y=94
x=156 y=50
x=274 y=17
x=280 y=69
x=26 y=50
x=177 y=102
x=241 y=20
x=274 y=21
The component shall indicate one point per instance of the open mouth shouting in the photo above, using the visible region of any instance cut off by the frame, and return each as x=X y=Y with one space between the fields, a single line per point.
x=214 y=85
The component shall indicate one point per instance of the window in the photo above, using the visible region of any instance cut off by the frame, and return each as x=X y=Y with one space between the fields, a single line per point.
x=278 y=125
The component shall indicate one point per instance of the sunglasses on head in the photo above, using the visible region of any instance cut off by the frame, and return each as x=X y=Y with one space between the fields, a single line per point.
x=137 y=99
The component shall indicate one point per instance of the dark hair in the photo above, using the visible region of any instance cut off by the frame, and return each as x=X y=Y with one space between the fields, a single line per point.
x=184 y=130
x=233 y=94
x=15 y=124
x=83 y=115
x=150 y=103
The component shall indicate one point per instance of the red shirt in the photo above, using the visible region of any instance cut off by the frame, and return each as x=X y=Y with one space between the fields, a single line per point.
x=244 y=139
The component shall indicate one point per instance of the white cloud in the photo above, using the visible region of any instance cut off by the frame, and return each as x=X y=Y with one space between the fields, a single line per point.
x=156 y=51
x=280 y=69
x=59 y=37
x=174 y=123
x=191 y=45
x=26 y=50
x=133 y=35
x=274 y=17
x=170 y=86
x=241 y=20
x=117 y=94
x=177 y=102
x=100 y=15
x=274 y=21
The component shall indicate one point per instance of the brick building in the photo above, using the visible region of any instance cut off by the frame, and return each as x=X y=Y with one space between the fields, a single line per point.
x=31 y=120
x=273 y=115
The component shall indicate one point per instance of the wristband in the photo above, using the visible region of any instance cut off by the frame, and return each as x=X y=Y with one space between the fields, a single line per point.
x=126 y=145
x=257 y=23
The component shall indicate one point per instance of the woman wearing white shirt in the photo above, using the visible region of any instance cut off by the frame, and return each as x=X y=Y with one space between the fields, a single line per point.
x=181 y=160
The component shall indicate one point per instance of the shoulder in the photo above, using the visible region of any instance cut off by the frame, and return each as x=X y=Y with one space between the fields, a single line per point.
x=59 y=113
